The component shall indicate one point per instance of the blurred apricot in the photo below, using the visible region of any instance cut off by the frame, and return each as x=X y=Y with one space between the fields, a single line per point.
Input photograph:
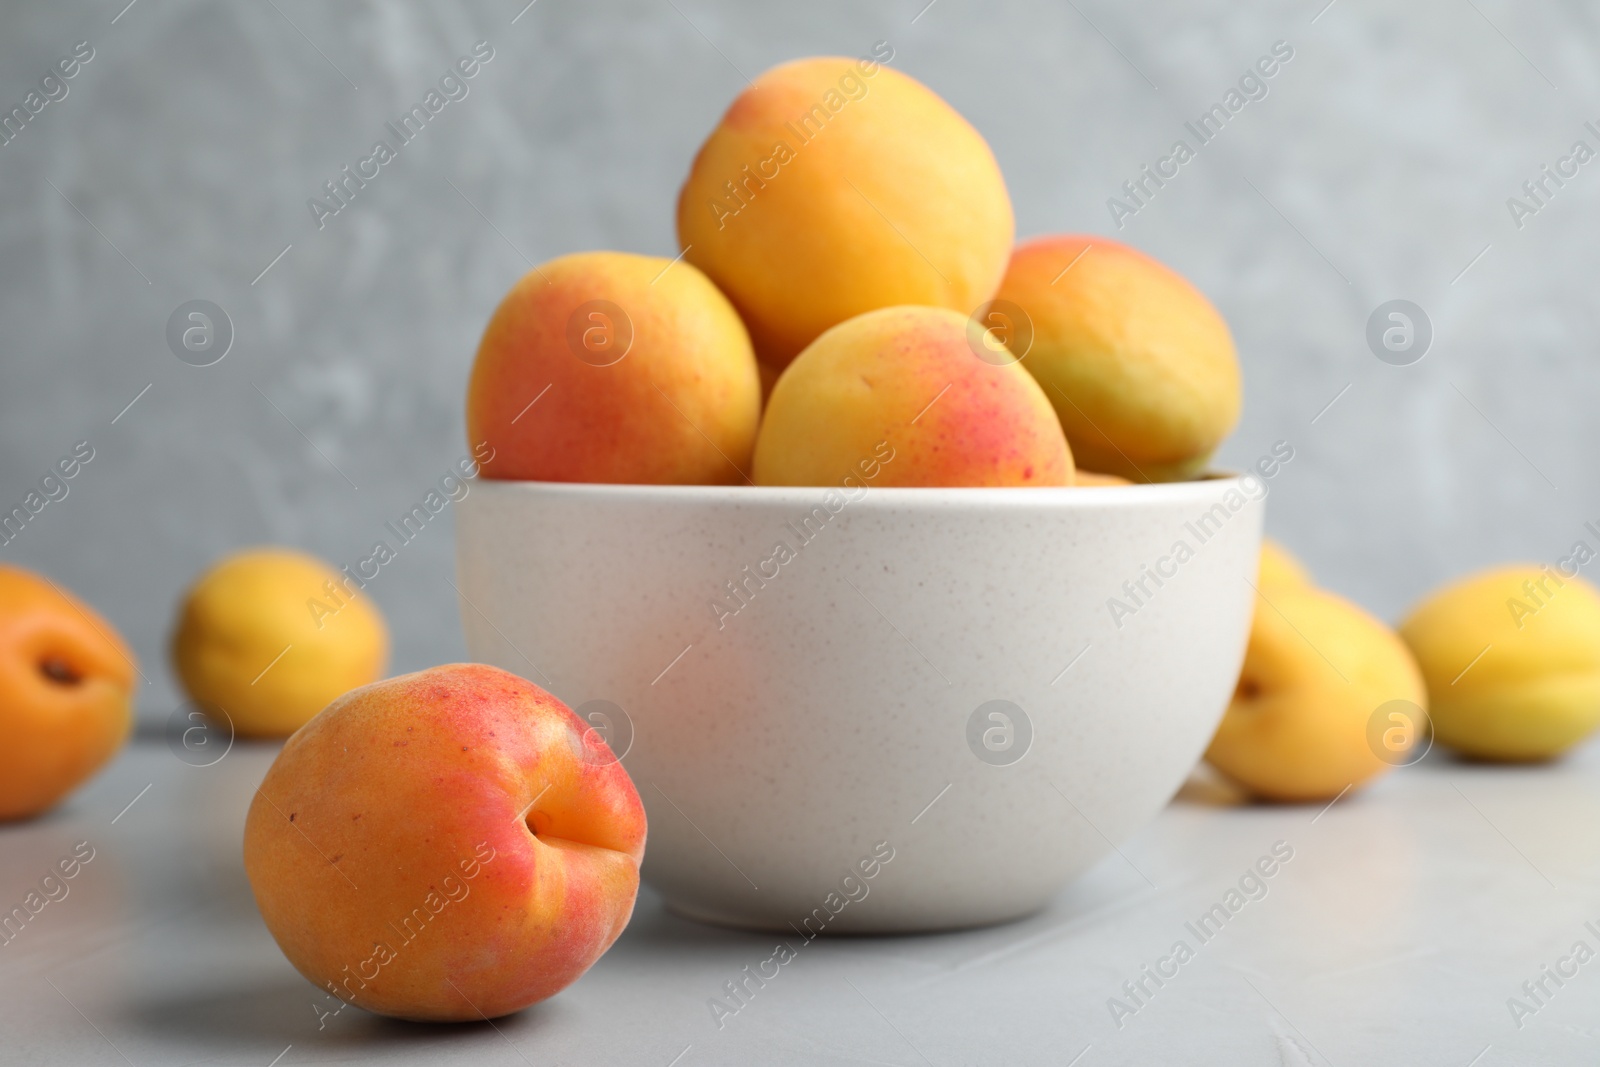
x=66 y=692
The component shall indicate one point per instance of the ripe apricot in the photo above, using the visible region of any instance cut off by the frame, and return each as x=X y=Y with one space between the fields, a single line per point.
x=66 y=692
x=902 y=393
x=834 y=187
x=1139 y=365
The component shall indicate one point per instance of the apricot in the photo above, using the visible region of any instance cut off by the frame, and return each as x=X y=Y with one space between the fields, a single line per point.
x=610 y=367
x=1317 y=670
x=836 y=186
x=453 y=844
x=266 y=637
x=66 y=693
x=1278 y=567
x=1512 y=660
x=1139 y=365
x=1089 y=479
x=898 y=397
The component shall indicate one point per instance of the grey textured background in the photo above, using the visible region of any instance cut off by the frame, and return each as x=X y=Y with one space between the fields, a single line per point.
x=181 y=160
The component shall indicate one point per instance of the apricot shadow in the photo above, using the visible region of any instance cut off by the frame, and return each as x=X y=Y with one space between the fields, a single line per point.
x=270 y=1013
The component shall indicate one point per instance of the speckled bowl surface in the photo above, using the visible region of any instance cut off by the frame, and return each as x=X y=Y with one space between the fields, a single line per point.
x=874 y=710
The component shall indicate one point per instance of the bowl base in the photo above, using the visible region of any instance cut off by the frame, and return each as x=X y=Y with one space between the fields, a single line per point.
x=866 y=925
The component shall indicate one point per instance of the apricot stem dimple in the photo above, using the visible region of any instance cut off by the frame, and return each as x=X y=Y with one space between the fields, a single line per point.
x=527 y=815
x=59 y=671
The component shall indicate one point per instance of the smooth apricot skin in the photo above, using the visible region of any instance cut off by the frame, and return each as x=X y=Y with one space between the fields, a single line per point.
x=610 y=367
x=448 y=845
x=1279 y=567
x=837 y=186
x=66 y=693
x=1512 y=660
x=1091 y=479
x=266 y=637
x=1316 y=669
x=898 y=397
x=1139 y=365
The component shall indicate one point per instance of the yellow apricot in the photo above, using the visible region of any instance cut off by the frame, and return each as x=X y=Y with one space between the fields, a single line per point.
x=1090 y=479
x=1512 y=660
x=837 y=186
x=1316 y=671
x=1139 y=365
x=1279 y=567
x=267 y=637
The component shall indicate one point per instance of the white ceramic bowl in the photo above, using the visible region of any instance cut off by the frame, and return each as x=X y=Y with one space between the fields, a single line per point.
x=827 y=757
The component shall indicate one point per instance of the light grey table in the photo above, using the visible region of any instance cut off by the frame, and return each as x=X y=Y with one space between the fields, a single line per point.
x=1406 y=919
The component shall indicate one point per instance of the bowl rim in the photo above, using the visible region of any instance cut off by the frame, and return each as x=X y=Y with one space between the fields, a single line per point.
x=1206 y=487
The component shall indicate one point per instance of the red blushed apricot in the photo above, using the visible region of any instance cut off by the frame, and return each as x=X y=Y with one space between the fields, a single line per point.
x=608 y=367
x=66 y=682
x=447 y=845
x=903 y=397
